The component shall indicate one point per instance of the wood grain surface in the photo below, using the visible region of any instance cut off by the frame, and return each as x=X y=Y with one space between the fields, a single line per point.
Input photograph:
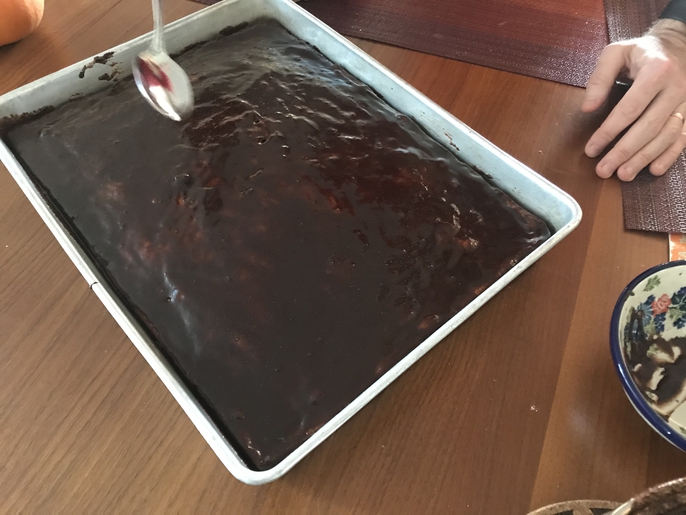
x=518 y=408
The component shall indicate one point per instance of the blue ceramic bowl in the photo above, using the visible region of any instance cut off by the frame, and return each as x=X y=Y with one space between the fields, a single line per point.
x=648 y=344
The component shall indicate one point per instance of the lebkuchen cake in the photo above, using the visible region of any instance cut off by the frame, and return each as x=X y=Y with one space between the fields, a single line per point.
x=285 y=246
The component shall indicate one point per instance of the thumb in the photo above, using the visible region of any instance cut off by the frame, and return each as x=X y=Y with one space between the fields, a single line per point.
x=611 y=62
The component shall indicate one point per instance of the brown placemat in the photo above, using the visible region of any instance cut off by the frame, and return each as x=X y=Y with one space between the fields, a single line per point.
x=650 y=203
x=628 y=19
x=556 y=40
x=657 y=203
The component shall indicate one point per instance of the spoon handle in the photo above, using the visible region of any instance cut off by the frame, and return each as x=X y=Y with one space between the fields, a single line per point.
x=158 y=27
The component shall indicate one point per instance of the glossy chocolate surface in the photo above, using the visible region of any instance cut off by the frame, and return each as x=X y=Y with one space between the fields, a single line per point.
x=659 y=369
x=285 y=246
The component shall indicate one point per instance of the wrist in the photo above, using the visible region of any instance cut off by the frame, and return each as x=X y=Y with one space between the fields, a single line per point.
x=668 y=25
x=671 y=33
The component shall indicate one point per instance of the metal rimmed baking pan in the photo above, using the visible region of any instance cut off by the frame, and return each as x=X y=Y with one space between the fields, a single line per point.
x=532 y=191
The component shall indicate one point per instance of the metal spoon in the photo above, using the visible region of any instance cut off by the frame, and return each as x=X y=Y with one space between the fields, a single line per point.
x=161 y=81
x=624 y=509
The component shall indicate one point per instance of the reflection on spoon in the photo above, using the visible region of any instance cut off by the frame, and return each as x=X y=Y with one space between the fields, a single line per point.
x=161 y=81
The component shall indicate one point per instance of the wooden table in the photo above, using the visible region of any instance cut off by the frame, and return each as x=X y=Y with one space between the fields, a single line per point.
x=518 y=408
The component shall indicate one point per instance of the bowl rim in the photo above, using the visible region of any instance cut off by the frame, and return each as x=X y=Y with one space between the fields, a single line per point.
x=635 y=396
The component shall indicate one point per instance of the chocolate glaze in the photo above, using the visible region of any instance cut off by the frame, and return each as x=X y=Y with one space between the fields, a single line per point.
x=285 y=246
x=98 y=59
x=644 y=365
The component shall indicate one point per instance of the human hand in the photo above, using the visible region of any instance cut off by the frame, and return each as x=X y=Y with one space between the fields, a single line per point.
x=655 y=102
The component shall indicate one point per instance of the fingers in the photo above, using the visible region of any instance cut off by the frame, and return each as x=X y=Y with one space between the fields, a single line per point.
x=654 y=124
x=654 y=136
x=667 y=158
x=643 y=91
x=669 y=135
x=611 y=62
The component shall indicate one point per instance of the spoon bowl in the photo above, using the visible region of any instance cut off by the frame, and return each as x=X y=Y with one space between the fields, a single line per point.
x=164 y=84
x=161 y=81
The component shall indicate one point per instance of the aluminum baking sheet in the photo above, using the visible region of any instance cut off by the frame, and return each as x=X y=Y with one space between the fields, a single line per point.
x=534 y=192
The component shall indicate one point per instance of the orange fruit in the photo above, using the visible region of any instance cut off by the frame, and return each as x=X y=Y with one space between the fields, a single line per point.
x=18 y=19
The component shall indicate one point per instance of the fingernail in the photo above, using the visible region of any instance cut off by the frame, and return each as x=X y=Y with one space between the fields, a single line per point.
x=605 y=169
x=592 y=150
x=625 y=173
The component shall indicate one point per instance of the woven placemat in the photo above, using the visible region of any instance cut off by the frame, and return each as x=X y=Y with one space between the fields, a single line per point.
x=628 y=19
x=556 y=40
x=650 y=203
x=657 y=203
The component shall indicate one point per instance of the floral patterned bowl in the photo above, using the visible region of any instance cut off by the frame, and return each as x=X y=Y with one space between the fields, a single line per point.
x=648 y=343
